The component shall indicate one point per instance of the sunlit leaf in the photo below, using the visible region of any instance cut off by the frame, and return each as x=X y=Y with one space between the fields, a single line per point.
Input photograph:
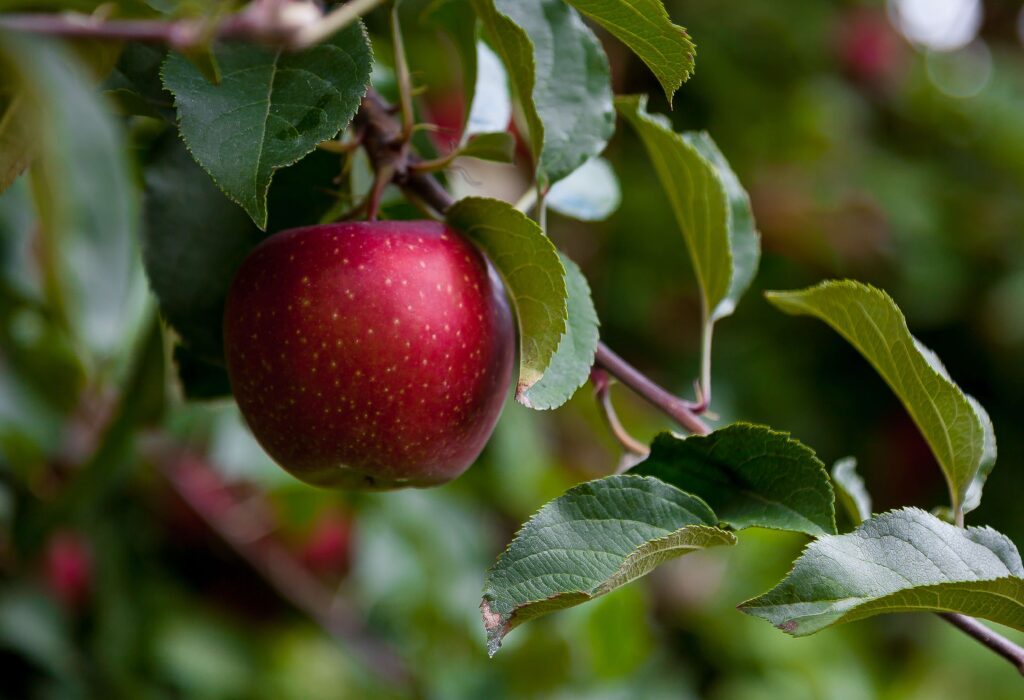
x=645 y=27
x=710 y=206
x=593 y=539
x=901 y=561
x=533 y=274
x=868 y=319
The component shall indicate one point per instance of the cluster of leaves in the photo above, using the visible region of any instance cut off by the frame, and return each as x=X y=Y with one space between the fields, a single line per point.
x=268 y=110
x=594 y=538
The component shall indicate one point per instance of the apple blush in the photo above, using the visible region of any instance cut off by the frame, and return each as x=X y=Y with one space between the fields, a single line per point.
x=369 y=355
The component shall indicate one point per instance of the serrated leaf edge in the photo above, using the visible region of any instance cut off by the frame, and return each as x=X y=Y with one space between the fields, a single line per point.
x=263 y=195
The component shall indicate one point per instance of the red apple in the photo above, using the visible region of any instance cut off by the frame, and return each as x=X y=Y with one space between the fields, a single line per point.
x=369 y=355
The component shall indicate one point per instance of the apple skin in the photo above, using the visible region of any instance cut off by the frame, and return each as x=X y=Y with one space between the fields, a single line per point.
x=369 y=355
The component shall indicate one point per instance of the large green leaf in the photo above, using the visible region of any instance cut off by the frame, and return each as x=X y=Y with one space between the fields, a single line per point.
x=750 y=475
x=710 y=205
x=571 y=363
x=645 y=27
x=561 y=77
x=869 y=319
x=270 y=109
x=901 y=561
x=193 y=241
x=594 y=538
x=84 y=194
x=533 y=274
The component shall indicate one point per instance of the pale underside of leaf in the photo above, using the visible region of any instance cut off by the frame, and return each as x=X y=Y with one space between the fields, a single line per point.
x=561 y=77
x=870 y=321
x=901 y=561
x=570 y=365
x=850 y=490
x=596 y=537
x=590 y=193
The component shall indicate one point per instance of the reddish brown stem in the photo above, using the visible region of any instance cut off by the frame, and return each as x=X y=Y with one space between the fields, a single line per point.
x=602 y=392
x=993 y=640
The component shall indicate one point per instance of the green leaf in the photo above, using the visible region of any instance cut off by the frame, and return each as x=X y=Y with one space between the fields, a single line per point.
x=497 y=146
x=270 y=109
x=870 y=321
x=16 y=139
x=645 y=27
x=901 y=561
x=593 y=539
x=200 y=379
x=194 y=240
x=589 y=193
x=750 y=475
x=850 y=490
x=744 y=240
x=83 y=188
x=988 y=458
x=560 y=74
x=570 y=366
x=456 y=19
x=135 y=83
x=533 y=274
x=710 y=205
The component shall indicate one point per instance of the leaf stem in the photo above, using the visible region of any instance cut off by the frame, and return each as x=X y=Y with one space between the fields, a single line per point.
x=704 y=398
x=402 y=76
x=602 y=392
x=333 y=22
x=662 y=399
x=993 y=640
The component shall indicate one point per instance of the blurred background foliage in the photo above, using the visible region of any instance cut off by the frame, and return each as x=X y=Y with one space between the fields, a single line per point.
x=880 y=142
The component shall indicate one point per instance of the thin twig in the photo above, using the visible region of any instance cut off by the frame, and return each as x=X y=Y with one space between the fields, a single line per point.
x=402 y=76
x=602 y=386
x=240 y=526
x=291 y=25
x=669 y=404
x=334 y=22
x=993 y=640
